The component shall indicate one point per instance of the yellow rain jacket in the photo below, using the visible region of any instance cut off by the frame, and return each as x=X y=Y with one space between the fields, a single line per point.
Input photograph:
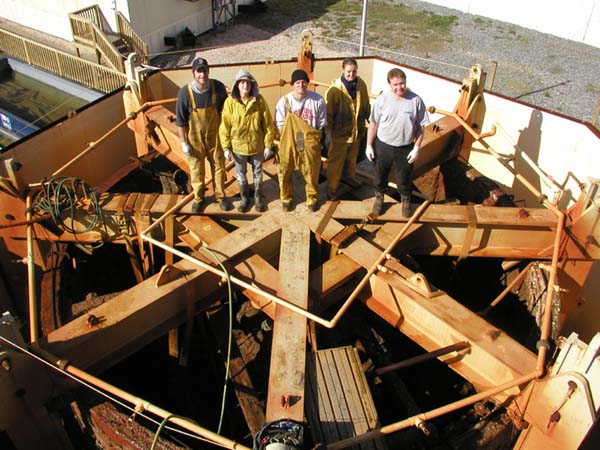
x=246 y=128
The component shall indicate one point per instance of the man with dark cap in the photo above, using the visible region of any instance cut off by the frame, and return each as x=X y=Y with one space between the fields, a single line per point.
x=198 y=114
x=300 y=117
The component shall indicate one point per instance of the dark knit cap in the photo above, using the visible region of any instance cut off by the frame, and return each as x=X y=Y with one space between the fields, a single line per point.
x=299 y=74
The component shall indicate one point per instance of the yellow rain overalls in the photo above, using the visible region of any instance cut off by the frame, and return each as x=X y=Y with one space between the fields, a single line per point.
x=299 y=147
x=346 y=134
x=203 y=136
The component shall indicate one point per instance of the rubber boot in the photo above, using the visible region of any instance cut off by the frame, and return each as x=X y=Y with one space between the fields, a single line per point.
x=378 y=204
x=244 y=205
x=405 y=205
x=259 y=198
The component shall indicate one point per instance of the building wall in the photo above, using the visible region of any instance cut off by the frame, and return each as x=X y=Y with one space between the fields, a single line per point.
x=169 y=18
x=578 y=20
x=152 y=19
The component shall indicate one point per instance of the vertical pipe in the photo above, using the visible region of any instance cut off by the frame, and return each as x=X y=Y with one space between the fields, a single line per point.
x=363 y=28
x=33 y=313
x=492 y=75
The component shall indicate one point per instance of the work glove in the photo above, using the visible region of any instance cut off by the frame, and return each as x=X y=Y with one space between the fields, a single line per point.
x=413 y=155
x=228 y=155
x=370 y=153
x=186 y=148
x=267 y=153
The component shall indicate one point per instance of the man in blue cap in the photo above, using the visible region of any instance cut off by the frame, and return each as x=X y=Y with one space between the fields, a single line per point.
x=198 y=115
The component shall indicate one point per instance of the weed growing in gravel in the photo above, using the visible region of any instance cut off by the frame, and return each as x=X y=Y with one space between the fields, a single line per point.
x=392 y=26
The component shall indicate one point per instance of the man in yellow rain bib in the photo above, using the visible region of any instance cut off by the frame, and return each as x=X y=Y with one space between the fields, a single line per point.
x=198 y=114
x=300 y=117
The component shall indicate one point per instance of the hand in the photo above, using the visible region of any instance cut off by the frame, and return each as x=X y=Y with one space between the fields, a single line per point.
x=186 y=148
x=413 y=155
x=370 y=153
x=267 y=153
x=228 y=155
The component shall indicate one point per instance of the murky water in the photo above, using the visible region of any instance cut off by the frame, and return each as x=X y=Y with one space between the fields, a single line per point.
x=33 y=101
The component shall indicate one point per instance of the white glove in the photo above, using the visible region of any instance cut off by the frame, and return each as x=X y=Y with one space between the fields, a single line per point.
x=228 y=155
x=267 y=153
x=370 y=153
x=413 y=155
x=186 y=148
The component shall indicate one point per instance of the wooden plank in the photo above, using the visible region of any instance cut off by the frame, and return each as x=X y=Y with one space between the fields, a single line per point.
x=335 y=389
x=339 y=405
x=323 y=405
x=252 y=406
x=253 y=268
x=288 y=353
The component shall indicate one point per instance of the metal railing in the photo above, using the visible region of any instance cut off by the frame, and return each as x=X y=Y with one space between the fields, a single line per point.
x=89 y=32
x=87 y=73
x=133 y=39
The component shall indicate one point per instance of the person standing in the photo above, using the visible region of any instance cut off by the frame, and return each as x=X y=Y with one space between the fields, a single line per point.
x=198 y=114
x=300 y=117
x=247 y=128
x=348 y=109
x=394 y=138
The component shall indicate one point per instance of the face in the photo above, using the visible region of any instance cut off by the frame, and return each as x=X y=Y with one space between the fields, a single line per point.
x=300 y=88
x=398 y=86
x=201 y=77
x=244 y=86
x=350 y=72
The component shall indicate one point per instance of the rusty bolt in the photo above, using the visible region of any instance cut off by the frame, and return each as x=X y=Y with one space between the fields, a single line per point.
x=92 y=320
x=523 y=214
x=5 y=364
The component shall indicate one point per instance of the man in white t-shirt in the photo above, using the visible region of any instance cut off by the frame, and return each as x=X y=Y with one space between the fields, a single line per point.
x=394 y=137
x=300 y=117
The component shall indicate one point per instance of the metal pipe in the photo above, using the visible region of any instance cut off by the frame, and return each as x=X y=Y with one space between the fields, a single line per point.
x=492 y=76
x=508 y=288
x=418 y=419
x=363 y=28
x=92 y=145
x=480 y=138
x=139 y=405
x=375 y=266
x=543 y=344
x=277 y=300
x=27 y=222
x=143 y=405
x=422 y=358
x=240 y=282
x=33 y=312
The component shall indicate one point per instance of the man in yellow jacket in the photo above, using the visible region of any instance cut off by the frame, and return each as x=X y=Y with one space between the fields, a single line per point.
x=246 y=133
x=348 y=109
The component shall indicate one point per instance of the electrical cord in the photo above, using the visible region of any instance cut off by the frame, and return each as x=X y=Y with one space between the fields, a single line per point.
x=230 y=333
x=61 y=195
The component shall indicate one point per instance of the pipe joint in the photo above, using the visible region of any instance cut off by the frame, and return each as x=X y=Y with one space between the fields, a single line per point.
x=542 y=343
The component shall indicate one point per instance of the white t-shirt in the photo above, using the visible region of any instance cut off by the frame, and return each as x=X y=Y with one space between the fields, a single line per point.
x=311 y=109
x=398 y=119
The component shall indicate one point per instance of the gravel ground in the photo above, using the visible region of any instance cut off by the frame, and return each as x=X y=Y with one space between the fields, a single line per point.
x=537 y=68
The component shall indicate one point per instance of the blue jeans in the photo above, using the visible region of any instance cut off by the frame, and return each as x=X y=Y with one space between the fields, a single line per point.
x=241 y=162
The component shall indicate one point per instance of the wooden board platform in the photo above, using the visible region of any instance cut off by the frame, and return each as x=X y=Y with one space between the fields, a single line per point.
x=338 y=401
